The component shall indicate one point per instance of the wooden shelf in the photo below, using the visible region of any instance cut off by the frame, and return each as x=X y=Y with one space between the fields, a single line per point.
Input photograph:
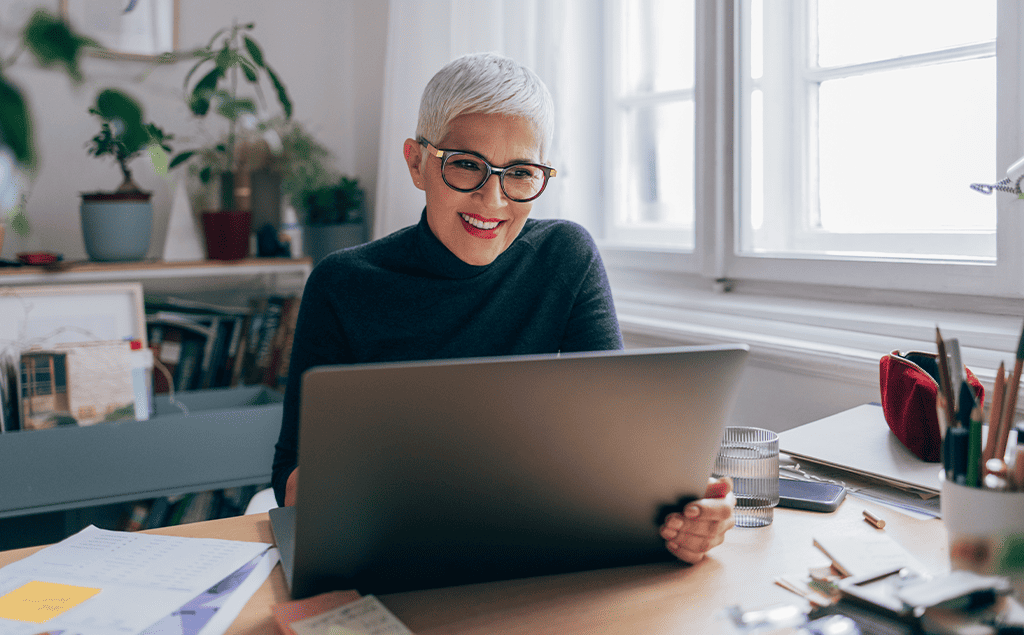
x=228 y=279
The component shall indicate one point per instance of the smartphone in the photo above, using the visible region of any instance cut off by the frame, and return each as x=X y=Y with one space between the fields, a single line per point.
x=813 y=495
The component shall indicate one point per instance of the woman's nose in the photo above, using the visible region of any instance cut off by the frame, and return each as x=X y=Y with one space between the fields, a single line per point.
x=491 y=192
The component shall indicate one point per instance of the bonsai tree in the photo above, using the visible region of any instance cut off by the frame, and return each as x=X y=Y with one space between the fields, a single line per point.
x=231 y=57
x=123 y=135
x=338 y=203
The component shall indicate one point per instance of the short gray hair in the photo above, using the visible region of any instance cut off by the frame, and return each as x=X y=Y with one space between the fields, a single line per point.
x=485 y=83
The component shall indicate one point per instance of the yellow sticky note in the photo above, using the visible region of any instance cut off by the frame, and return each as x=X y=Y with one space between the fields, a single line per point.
x=39 y=601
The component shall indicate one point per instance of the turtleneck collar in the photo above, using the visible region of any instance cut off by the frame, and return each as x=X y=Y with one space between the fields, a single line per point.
x=440 y=261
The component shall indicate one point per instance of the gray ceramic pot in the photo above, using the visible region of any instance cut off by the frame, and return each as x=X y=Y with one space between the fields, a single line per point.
x=116 y=225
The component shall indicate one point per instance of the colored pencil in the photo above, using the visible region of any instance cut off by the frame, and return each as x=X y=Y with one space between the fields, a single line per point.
x=995 y=413
x=1010 y=410
x=945 y=382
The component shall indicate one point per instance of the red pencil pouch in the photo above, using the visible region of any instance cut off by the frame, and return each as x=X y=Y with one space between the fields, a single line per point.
x=910 y=386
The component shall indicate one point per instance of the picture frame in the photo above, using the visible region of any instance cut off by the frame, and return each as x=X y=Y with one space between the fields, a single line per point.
x=55 y=316
x=128 y=29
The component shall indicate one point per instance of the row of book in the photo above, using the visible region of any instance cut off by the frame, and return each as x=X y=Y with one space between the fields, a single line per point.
x=198 y=345
x=188 y=508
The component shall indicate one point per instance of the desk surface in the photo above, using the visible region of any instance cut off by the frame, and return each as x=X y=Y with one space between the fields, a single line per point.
x=660 y=598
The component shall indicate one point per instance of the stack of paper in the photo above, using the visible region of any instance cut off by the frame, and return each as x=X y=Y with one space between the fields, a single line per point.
x=99 y=582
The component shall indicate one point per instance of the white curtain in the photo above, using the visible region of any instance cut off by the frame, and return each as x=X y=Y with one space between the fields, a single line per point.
x=556 y=38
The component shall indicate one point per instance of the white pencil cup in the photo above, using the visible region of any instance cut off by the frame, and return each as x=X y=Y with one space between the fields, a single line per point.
x=985 y=529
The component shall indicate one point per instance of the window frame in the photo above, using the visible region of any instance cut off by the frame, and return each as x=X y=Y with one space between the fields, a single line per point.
x=716 y=260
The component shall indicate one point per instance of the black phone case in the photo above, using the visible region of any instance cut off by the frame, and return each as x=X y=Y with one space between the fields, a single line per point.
x=810 y=495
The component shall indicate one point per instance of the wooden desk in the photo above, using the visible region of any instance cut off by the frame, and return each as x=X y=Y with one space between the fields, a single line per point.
x=652 y=599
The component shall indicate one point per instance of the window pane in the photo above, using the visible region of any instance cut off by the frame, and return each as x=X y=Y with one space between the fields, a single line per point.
x=871 y=30
x=898 y=150
x=657 y=166
x=657 y=51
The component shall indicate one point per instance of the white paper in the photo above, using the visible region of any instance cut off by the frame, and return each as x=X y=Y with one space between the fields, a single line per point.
x=142 y=577
x=365 y=616
x=213 y=610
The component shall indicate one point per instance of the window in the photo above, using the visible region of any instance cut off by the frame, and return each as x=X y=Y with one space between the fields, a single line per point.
x=863 y=124
x=816 y=142
x=652 y=126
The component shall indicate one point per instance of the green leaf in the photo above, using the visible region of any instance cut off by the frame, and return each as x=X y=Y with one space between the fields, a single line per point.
x=114 y=104
x=19 y=222
x=158 y=156
x=225 y=58
x=52 y=42
x=200 y=99
x=16 y=124
x=180 y=158
x=282 y=94
x=233 y=108
x=254 y=50
x=249 y=73
x=206 y=174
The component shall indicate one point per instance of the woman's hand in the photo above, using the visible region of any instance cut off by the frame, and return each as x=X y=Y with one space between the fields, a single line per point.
x=703 y=523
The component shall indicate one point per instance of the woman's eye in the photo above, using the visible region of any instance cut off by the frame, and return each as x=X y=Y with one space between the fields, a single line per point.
x=465 y=164
x=521 y=173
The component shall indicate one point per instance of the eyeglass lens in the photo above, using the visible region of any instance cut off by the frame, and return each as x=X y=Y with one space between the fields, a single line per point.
x=519 y=182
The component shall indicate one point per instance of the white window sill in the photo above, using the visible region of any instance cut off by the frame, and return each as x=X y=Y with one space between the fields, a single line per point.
x=841 y=339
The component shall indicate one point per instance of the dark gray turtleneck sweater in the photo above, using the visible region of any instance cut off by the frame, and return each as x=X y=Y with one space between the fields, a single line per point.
x=406 y=297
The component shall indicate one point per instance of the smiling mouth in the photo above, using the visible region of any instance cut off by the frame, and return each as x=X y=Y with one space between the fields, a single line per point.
x=480 y=224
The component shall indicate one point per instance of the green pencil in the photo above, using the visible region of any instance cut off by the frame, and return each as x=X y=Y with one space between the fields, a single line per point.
x=974 y=449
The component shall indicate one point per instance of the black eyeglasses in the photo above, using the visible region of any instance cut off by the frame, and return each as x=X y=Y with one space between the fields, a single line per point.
x=466 y=171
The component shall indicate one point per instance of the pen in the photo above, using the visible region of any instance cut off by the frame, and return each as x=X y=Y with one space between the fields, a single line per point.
x=958 y=442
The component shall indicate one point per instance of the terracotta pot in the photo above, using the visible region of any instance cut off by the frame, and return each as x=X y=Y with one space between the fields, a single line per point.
x=227 y=233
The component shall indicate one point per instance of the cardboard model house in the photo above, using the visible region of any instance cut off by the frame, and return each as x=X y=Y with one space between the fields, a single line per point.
x=76 y=383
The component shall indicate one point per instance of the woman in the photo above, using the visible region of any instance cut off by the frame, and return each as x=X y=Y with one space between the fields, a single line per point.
x=476 y=277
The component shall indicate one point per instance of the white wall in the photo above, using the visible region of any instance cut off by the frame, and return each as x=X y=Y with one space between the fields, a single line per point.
x=328 y=53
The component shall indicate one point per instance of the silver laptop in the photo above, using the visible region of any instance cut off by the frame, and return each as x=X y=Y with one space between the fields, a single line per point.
x=427 y=474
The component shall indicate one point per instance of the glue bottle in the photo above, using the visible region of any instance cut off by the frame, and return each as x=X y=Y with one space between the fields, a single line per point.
x=142 y=380
x=291 y=230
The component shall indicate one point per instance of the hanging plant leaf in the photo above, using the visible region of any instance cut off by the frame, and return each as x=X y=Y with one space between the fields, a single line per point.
x=16 y=124
x=52 y=42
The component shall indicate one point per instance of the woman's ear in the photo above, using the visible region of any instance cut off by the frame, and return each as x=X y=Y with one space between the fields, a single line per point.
x=414 y=159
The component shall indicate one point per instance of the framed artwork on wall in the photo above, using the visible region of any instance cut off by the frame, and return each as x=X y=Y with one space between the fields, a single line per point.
x=130 y=29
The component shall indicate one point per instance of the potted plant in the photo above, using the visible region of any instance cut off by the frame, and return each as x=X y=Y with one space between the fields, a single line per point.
x=116 y=225
x=232 y=57
x=333 y=217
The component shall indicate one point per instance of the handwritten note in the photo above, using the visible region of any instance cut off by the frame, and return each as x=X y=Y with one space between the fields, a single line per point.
x=39 y=601
x=365 y=616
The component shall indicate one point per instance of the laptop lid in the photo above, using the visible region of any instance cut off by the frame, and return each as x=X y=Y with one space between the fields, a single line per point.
x=428 y=474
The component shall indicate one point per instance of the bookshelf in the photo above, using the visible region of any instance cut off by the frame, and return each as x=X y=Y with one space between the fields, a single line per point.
x=225 y=441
